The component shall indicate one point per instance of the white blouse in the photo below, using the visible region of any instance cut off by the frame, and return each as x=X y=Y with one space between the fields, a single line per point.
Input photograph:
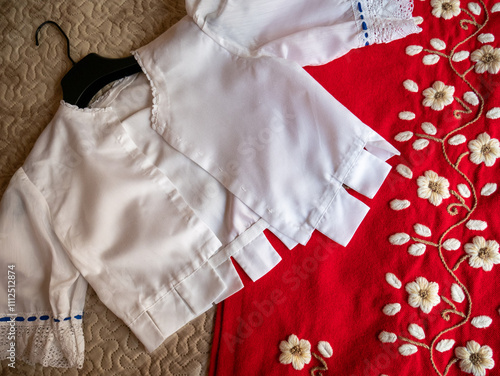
x=147 y=195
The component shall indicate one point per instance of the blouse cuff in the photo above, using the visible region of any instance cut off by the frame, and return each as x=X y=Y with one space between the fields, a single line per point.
x=382 y=21
x=42 y=339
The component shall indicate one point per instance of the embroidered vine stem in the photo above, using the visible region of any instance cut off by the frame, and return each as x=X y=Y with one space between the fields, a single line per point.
x=428 y=137
x=450 y=303
x=436 y=53
x=462 y=259
x=424 y=241
x=413 y=342
x=316 y=370
x=466 y=317
x=460 y=158
x=457 y=113
x=453 y=361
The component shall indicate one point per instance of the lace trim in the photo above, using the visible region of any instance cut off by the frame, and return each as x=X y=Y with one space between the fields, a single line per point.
x=382 y=21
x=51 y=343
x=154 y=92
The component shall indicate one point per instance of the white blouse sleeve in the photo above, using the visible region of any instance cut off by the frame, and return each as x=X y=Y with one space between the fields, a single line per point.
x=308 y=32
x=42 y=294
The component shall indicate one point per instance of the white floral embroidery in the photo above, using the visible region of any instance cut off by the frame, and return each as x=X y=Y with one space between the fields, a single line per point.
x=457 y=294
x=451 y=244
x=418 y=20
x=475 y=8
x=477 y=225
x=481 y=322
x=457 y=139
x=486 y=38
x=420 y=144
x=406 y=115
x=430 y=59
x=422 y=230
x=407 y=349
x=417 y=249
x=460 y=56
x=392 y=280
x=296 y=352
x=474 y=358
x=445 y=345
x=391 y=309
x=471 y=98
x=403 y=136
x=445 y=8
x=495 y=8
x=494 y=113
x=484 y=149
x=423 y=294
x=399 y=238
x=433 y=187
x=404 y=171
x=429 y=128
x=410 y=86
x=463 y=190
x=438 y=96
x=413 y=50
x=487 y=59
x=387 y=337
x=416 y=331
x=489 y=189
x=438 y=44
x=399 y=204
x=325 y=349
x=483 y=253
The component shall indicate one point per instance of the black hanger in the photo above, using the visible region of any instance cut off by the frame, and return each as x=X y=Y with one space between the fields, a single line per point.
x=91 y=74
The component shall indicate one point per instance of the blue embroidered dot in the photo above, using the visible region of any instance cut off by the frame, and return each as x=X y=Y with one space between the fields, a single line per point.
x=32 y=318
x=366 y=35
x=78 y=317
x=44 y=318
x=5 y=319
x=359 y=7
x=362 y=17
x=367 y=44
x=19 y=318
x=67 y=318
x=364 y=26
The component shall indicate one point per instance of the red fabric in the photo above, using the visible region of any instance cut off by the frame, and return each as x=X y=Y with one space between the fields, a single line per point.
x=324 y=292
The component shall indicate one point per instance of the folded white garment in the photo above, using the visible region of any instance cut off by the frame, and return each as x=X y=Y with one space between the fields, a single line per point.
x=148 y=195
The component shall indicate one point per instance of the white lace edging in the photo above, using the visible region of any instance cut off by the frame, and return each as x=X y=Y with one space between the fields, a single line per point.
x=51 y=344
x=154 y=91
x=382 y=21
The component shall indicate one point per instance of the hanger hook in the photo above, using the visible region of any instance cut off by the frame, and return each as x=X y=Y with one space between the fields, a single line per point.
x=61 y=30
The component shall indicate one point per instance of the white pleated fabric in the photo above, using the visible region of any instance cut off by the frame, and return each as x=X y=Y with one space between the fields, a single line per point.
x=150 y=194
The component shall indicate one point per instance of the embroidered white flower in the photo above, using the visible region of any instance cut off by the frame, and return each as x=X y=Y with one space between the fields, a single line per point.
x=487 y=59
x=423 y=294
x=438 y=96
x=295 y=352
x=483 y=253
x=474 y=358
x=445 y=8
x=484 y=149
x=433 y=187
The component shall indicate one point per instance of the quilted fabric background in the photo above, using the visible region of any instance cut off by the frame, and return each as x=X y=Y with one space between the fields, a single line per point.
x=29 y=96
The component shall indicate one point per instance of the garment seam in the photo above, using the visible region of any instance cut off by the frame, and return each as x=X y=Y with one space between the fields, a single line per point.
x=341 y=181
x=51 y=218
x=172 y=290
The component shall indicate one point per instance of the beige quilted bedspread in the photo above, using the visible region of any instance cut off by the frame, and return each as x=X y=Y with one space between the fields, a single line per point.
x=29 y=96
